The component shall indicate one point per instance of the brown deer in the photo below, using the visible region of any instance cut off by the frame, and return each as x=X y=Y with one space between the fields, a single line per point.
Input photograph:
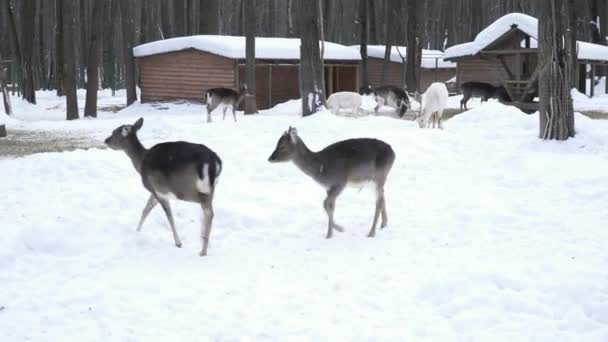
x=226 y=97
x=187 y=171
x=348 y=162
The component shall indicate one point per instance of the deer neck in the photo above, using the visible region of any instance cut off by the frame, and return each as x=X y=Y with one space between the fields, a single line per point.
x=136 y=152
x=308 y=161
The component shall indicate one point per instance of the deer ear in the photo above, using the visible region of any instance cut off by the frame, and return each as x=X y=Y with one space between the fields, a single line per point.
x=293 y=134
x=137 y=125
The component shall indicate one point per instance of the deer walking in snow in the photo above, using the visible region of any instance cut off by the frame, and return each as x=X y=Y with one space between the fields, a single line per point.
x=181 y=169
x=344 y=100
x=226 y=97
x=483 y=90
x=432 y=104
x=348 y=162
x=390 y=96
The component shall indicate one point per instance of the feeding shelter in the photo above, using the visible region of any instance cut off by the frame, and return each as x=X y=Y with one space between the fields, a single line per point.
x=185 y=67
x=506 y=53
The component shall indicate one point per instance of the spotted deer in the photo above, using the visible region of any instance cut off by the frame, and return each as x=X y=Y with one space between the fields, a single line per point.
x=348 y=162
x=226 y=97
x=186 y=171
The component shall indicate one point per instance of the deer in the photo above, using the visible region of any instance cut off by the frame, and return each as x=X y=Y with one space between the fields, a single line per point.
x=432 y=104
x=344 y=99
x=184 y=170
x=348 y=162
x=226 y=97
x=391 y=96
x=483 y=90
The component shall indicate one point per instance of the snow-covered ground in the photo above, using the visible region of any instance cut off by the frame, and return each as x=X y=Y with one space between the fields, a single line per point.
x=493 y=235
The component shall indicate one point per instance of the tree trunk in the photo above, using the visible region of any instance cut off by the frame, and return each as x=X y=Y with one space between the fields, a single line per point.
x=27 y=51
x=68 y=9
x=5 y=95
x=90 y=107
x=388 y=43
x=311 y=86
x=411 y=81
x=363 y=4
x=556 y=114
x=127 y=38
x=59 y=50
x=250 y=102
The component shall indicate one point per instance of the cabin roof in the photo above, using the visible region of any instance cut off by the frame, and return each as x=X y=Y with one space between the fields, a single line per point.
x=518 y=22
x=428 y=56
x=234 y=47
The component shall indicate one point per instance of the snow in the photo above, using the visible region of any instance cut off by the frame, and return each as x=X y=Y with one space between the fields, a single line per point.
x=493 y=235
x=428 y=56
x=528 y=25
x=234 y=47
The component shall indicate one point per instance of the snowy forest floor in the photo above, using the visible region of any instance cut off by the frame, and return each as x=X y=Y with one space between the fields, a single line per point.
x=493 y=235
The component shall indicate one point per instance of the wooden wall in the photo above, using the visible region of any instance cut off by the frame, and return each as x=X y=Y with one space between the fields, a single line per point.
x=425 y=76
x=183 y=75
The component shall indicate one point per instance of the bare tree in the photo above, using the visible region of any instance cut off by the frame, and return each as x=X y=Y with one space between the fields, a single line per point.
x=90 y=107
x=391 y=8
x=68 y=10
x=556 y=113
x=250 y=101
x=27 y=50
x=363 y=12
x=126 y=15
x=414 y=45
x=311 y=72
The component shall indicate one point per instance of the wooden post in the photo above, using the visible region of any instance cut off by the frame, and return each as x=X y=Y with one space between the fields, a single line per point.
x=592 y=81
x=436 y=68
x=2 y=131
x=330 y=86
x=270 y=86
x=582 y=78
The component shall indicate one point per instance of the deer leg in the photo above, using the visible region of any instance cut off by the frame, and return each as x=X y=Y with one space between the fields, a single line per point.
x=167 y=208
x=224 y=117
x=233 y=113
x=379 y=104
x=379 y=208
x=439 y=116
x=330 y=204
x=206 y=204
x=209 y=113
x=152 y=202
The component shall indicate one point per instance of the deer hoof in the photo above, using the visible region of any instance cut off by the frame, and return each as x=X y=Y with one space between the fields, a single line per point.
x=202 y=253
x=178 y=244
x=371 y=234
x=328 y=236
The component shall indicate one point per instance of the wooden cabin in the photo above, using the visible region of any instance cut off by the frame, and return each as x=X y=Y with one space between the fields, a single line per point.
x=184 y=68
x=506 y=54
x=433 y=68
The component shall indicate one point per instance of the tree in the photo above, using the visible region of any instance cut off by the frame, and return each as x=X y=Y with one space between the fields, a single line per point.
x=27 y=51
x=390 y=10
x=126 y=15
x=68 y=10
x=363 y=4
x=90 y=107
x=250 y=102
x=556 y=114
x=414 y=45
x=311 y=71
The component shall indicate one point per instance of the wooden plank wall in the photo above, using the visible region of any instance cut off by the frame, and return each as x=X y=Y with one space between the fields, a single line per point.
x=183 y=75
x=425 y=76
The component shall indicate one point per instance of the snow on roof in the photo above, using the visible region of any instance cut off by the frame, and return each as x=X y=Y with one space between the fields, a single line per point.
x=524 y=22
x=234 y=47
x=428 y=56
x=528 y=25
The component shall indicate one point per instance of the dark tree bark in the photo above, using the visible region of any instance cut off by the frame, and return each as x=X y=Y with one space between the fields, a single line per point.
x=363 y=41
x=311 y=72
x=389 y=28
x=555 y=112
x=68 y=9
x=27 y=51
x=6 y=99
x=413 y=46
x=250 y=102
x=90 y=107
x=127 y=38
x=59 y=50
